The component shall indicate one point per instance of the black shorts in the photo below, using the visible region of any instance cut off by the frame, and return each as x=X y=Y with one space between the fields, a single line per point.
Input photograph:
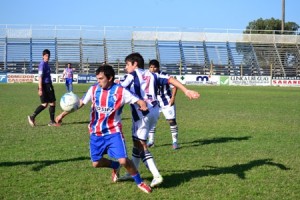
x=48 y=95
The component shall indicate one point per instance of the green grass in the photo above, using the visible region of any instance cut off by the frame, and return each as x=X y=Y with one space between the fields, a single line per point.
x=236 y=143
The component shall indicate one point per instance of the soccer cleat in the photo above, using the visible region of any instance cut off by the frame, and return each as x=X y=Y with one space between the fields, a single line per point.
x=150 y=144
x=31 y=121
x=144 y=187
x=175 y=146
x=156 y=181
x=53 y=124
x=125 y=177
x=115 y=174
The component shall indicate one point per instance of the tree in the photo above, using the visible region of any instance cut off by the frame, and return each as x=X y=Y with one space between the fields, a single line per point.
x=270 y=26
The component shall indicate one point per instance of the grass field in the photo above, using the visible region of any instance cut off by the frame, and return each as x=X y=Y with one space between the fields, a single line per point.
x=236 y=143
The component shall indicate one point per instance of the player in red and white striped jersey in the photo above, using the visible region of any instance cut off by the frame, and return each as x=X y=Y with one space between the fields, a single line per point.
x=105 y=126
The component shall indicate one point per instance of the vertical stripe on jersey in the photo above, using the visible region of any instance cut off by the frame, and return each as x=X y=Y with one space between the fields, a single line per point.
x=105 y=121
x=117 y=93
x=93 y=115
x=137 y=85
x=101 y=102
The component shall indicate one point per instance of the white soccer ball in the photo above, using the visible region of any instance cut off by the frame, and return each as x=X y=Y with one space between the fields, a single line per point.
x=69 y=102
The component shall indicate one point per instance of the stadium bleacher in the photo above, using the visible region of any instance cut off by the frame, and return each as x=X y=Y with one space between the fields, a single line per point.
x=179 y=53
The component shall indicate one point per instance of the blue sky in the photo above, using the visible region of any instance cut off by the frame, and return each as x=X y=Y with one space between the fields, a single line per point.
x=223 y=14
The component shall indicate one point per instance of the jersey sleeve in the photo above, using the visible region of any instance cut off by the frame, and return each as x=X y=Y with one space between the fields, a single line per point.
x=40 y=69
x=129 y=97
x=127 y=80
x=163 y=79
x=87 y=97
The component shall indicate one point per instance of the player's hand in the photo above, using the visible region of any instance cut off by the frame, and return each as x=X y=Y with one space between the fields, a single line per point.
x=58 y=119
x=172 y=102
x=143 y=105
x=191 y=94
x=40 y=92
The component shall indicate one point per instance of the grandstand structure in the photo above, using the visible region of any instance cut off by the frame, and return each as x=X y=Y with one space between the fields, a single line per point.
x=180 y=51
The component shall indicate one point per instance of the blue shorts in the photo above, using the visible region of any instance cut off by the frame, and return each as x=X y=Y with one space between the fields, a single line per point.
x=69 y=81
x=112 y=144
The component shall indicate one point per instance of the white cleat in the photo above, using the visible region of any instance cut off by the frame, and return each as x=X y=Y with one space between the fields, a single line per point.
x=156 y=181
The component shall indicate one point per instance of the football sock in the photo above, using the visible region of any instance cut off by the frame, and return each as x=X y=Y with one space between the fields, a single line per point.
x=136 y=157
x=114 y=165
x=137 y=178
x=151 y=135
x=149 y=162
x=52 y=113
x=174 y=132
x=39 y=109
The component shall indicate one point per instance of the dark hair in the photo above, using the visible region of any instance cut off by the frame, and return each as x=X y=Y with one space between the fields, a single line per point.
x=107 y=70
x=46 y=51
x=135 y=57
x=154 y=62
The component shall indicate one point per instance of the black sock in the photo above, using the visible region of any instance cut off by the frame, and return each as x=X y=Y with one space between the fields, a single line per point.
x=52 y=113
x=39 y=109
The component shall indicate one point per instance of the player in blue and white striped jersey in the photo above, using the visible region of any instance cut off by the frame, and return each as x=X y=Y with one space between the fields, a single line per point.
x=145 y=85
x=166 y=97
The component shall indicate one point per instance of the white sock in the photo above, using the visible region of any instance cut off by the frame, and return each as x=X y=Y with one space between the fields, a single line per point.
x=174 y=132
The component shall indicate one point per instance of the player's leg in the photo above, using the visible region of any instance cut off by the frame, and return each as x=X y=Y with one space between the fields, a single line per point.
x=98 y=147
x=142 y=134
x=170 y=115
x=51 y=98
x=151 y=137
x=39 y=109
x=67 y=85
x=71 y=86
x=129 y=166
x=117 y=149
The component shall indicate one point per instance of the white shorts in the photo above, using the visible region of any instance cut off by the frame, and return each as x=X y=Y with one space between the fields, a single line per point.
x=169 y=111
x=141 y=128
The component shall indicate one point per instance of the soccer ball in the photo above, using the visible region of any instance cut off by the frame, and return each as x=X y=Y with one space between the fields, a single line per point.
x=69 y=102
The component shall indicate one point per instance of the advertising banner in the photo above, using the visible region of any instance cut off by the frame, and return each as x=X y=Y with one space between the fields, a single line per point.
x=3 y=78
x=286 y=81
x=57 y=78
x=87 y=78
x=201 y=80
x=250 y=80
x=224 y=80
x=20 y=78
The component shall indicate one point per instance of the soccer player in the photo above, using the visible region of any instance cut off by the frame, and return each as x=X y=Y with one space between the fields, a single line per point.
x=166 y=97
x=105 y=126
x=145 y=85
x=45 y=91
x=68 y=76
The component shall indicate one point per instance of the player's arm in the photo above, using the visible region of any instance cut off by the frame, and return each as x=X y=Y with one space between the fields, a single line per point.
x=142 y=104
x=131 y=98
x=127 y=80
x=84 y=100
x=174 y=92
x=64 y=74
x=191 y=94
x=59 y=117
x=40 y=83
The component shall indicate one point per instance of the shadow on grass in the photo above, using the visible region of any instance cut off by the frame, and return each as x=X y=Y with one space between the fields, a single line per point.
x=179 y=177
x=40 y=164
x=209 y=141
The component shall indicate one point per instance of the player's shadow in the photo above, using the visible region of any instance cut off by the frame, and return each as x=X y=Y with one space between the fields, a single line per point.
x=181 y=176
x=40 y=164
x=79 y=122
x=209 y=141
